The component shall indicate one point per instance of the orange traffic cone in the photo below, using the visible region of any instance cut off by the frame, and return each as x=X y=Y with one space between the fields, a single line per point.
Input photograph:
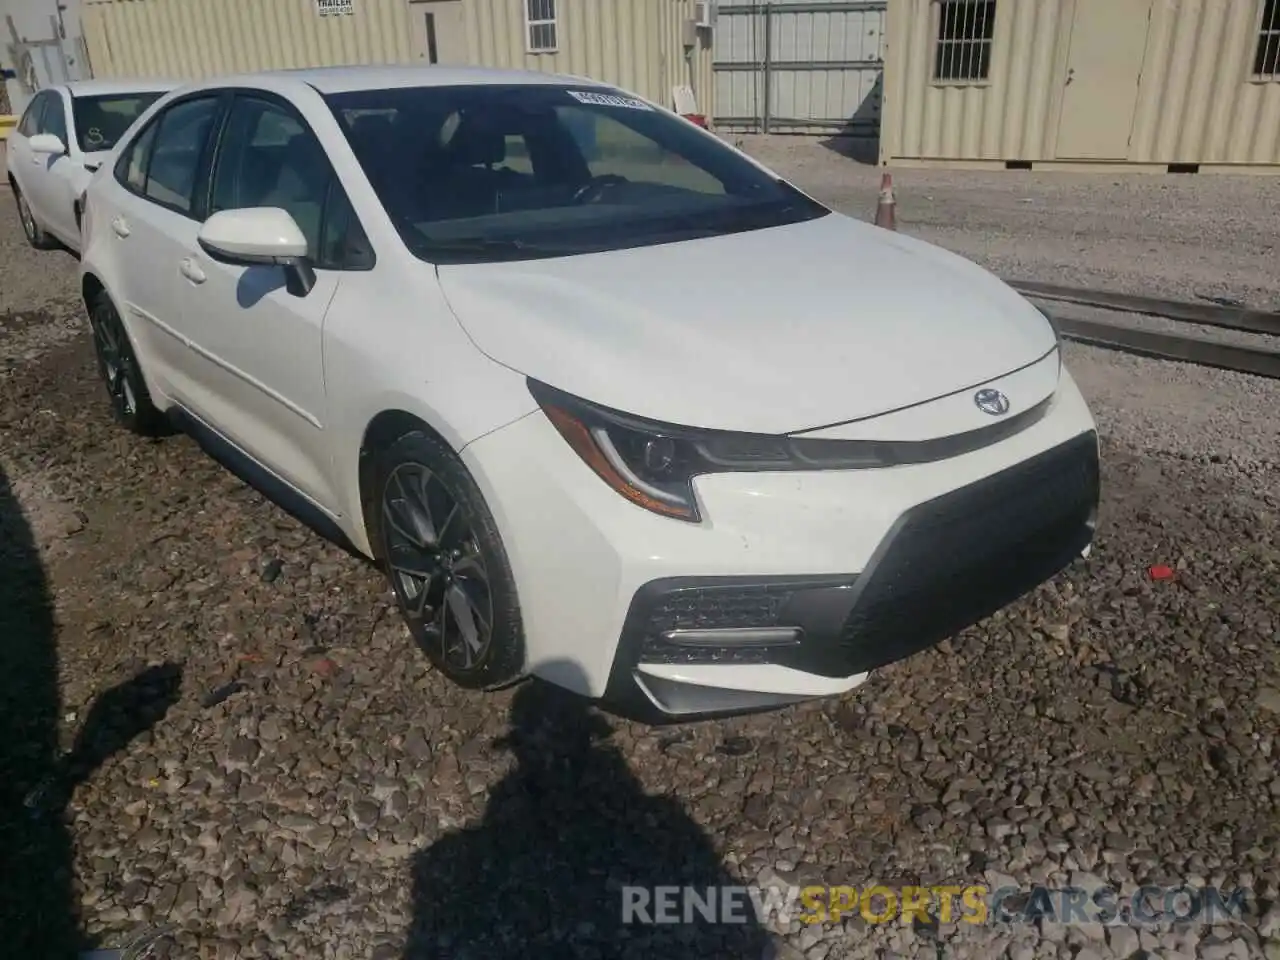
x=885 y=216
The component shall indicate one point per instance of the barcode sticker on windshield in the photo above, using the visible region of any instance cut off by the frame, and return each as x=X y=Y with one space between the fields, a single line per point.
x=608 y=100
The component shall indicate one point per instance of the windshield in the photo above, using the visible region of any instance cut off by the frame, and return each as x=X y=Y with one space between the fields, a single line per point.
x=476 y=173
x=102 y=121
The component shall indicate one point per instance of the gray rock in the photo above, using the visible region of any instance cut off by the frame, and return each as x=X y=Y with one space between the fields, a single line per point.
x=270 y=730
x=999 y=828
x=241 y=754
x=1269 y=924
x=365 y=814
x=416 y=746
x=320 y=836
x=1122 y=941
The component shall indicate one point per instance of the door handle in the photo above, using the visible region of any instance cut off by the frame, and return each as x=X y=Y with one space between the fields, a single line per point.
x=121 y=227
x=191 y=270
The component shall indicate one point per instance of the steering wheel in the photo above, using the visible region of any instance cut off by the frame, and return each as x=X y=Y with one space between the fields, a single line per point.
x=594 y=188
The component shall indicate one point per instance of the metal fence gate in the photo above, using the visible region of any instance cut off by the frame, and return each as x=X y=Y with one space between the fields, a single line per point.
x=32 y=63
x=802 y=66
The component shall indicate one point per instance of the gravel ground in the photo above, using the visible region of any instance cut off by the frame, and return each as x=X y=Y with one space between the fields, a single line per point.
x=217 y=735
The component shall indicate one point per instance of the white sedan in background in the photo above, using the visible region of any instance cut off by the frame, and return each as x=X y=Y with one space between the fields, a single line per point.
x=64 y=135
x=610 y=402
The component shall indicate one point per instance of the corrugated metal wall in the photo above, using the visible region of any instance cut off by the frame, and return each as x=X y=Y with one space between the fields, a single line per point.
x=800 y=65
x=637 y=44
x=1196 y=101
x=194 y=39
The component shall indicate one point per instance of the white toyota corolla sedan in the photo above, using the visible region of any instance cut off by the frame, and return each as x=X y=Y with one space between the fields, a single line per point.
x=64 y=135
x=610 y=402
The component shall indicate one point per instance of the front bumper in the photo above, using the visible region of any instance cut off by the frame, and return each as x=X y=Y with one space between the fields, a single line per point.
x=946 y=564
x=845 y=570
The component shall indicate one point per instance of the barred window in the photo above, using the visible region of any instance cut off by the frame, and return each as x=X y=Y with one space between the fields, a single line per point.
x=965 y=29
x=540 y=25
x=1266 y=62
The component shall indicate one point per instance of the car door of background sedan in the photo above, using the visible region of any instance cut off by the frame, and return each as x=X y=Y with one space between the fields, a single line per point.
x=26 y=165
x=57 y=205
x=257 y=348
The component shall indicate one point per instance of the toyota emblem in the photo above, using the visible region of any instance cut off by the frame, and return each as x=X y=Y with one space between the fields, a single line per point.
x=992 y=401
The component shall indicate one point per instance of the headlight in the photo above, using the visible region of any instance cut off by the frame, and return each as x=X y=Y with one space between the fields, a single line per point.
x=653 y=464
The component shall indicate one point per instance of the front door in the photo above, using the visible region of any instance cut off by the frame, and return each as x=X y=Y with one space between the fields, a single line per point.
x=35 y=168
x=440 y=31
x=1108 y=40
x=257 y=348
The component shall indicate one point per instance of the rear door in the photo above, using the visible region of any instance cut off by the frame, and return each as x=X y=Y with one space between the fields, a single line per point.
x=151 y=221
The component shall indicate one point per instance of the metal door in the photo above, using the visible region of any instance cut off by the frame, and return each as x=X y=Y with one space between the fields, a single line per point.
x=440 y=31
x=811 y=66
x=1100 y=89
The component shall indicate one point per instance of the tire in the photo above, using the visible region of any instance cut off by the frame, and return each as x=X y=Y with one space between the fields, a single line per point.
x=35 y=234
x=445 y=562
x=118 y=366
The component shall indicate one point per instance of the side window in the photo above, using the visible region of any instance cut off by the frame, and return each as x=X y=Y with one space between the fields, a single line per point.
x=183 y=131
x=30 y=124
x=268 y=158
x=54 y=119
x=131 y=170
x=343 y=244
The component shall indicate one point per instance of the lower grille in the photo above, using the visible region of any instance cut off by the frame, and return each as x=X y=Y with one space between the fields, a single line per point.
x=958 y=559
x=711 y=607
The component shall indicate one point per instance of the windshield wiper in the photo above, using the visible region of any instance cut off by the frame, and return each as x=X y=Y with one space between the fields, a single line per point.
x=480 y=245
x=714 y=223
x=483 y=247
x=472 y=245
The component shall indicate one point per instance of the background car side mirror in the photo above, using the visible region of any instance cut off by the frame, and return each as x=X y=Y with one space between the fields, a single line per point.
x=260 y=236
x=49 y=143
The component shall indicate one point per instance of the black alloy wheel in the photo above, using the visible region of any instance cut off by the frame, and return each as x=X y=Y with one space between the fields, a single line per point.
x=441 y=551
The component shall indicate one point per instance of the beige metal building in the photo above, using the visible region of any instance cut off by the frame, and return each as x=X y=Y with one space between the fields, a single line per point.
x=1148 y=84
x=648 y=46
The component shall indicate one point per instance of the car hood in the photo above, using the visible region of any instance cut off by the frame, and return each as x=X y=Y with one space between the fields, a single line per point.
x=776 y=330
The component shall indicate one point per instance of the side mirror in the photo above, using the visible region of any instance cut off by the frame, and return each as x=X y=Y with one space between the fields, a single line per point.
x=47 y=143
x=260 y=236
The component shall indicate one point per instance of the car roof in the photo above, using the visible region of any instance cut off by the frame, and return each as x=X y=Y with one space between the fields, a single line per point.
x=98 y=88
x=353 y=78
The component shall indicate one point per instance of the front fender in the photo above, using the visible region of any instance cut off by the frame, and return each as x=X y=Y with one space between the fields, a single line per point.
x=387 y=349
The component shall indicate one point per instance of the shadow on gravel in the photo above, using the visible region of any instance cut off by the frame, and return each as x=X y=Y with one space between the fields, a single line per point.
x=859 y=149
x=38 y=917
x=543 y=875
